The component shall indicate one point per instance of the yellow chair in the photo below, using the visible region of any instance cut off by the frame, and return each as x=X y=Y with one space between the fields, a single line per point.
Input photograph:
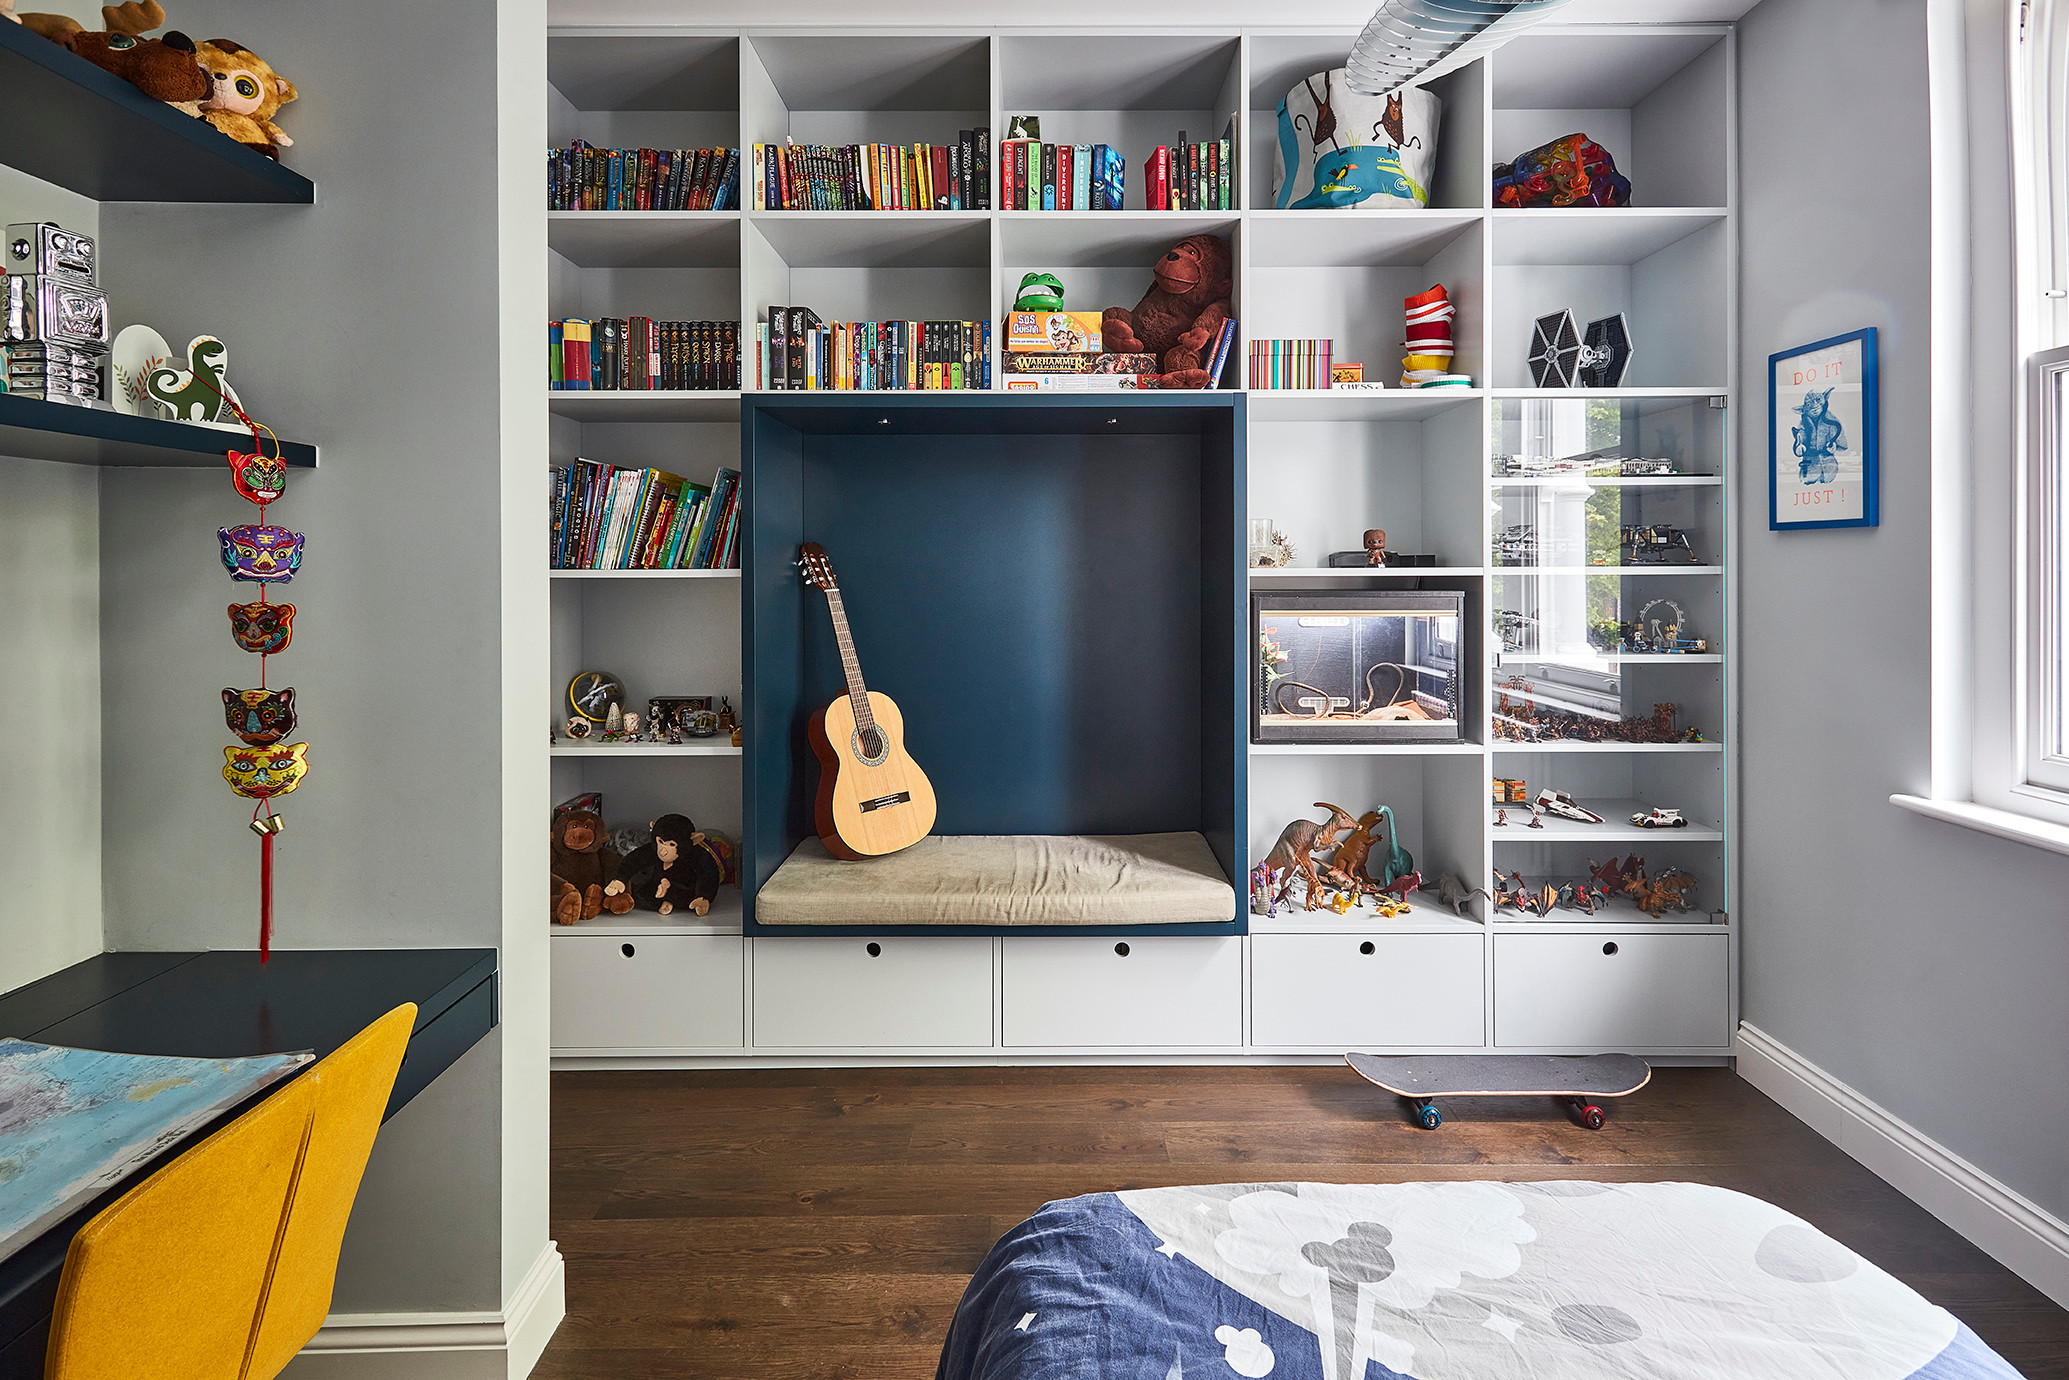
x=220 y=1265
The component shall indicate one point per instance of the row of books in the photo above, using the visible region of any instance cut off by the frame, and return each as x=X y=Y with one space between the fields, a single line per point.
x=582 y=177
x=607 y=518
x=1190 y=177
x=1034 y=176
x=1290 y=363
x=797 y=350
x=638 y=352
x=875 y=177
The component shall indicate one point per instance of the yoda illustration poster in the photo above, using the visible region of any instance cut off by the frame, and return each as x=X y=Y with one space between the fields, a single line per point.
x=1821 y=404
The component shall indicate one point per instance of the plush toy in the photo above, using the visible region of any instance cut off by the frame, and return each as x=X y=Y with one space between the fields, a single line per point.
x=245 y=94
x=1178 y=319
x=678 y=869
x=164 y=69
x=582 y=863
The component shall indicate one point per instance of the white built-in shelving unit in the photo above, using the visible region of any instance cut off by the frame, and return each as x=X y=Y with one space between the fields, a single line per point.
x=1323 y=464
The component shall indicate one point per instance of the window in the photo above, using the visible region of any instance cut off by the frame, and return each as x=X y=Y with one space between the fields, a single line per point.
x=2041 y=631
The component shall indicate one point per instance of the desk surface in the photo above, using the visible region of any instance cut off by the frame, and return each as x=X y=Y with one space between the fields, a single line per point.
x=225 y=1004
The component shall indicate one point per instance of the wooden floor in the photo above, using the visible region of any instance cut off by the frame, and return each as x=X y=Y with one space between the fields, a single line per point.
x=811 y=1224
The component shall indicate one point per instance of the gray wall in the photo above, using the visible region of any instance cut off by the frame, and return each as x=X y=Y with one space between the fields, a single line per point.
x=367 y=324
x=50 y=659
x=1919 y=962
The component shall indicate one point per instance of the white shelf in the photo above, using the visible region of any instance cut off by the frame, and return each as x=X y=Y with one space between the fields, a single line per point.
x=644 y=574
x=1426 y=915
x=1366 y=750
x=1385 y=572
x=1098 y=239
x=877 y=239
x=1352 y=405
x=724 y=919
x=1603 y=661
x=1563 y=745
x=1648 y=481
x=704 y=749
x=1594 y=235
x=1353 y=238
x=1616 y=824
x=1681 y=394
x=643 y=405
x=645 y=239
x=1607 y=570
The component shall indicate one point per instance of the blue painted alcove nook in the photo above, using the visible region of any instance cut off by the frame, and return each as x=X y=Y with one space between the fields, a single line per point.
x=1050 y=587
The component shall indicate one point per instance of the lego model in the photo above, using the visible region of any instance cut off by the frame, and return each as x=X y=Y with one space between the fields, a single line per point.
x=1659 y=818
x=1655 y=545
x=1563 y=805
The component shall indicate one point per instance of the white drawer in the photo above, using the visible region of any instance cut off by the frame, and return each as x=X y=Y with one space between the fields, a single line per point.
x=1124 y=992
x=663 y=992
x=891 y=993
x=1367 y=991
x=1619 y=991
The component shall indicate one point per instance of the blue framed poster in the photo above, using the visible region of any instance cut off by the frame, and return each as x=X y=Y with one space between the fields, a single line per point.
x=1821 y=441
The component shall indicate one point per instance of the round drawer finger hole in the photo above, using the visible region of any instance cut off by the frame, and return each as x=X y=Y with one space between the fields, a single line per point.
x=1122 y=948
x=1610 y=947
x=625 y=949
x=873 y=949
x=1368 y=947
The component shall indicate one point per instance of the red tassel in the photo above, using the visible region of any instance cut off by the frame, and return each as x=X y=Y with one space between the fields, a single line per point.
x=265 y=897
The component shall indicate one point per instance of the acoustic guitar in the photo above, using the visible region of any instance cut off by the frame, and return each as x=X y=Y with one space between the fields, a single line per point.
x=873 y=798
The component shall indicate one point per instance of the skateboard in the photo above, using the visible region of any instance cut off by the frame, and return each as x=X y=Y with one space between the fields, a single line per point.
x=1579 y=1078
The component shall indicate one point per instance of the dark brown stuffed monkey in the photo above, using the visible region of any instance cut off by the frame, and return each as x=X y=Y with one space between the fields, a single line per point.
x=582 y=863
x=1178 y=319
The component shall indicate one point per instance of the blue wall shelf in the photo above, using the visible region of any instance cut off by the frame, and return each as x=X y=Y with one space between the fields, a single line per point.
x=1051 y=588
x=39 y=430
x=66 y=121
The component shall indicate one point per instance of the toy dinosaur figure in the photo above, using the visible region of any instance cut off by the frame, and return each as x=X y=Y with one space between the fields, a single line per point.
x=1400 y=886
x=1348 y=864
x=1667 y=889
x=196 y=393
x=1455 y=893
x=1294 y=853
x=1398 y=859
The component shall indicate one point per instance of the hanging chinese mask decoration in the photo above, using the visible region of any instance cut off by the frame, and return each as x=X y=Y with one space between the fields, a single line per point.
x=262 y=718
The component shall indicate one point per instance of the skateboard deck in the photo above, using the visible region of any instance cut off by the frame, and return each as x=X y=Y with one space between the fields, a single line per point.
x=1422 y=1079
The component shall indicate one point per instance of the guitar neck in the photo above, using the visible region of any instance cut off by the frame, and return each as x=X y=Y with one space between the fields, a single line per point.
x=851 y=668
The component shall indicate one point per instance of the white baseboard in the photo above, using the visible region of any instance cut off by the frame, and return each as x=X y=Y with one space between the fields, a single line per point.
x=2021 y=1235
x=443 y=1346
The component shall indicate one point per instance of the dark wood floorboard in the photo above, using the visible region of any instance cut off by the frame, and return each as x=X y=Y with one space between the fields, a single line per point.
x=819 y=1224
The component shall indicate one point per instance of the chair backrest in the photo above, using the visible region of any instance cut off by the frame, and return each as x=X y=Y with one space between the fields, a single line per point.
x=220 y=1265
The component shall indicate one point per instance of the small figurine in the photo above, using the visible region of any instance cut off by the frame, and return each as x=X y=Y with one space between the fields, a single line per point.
x=1659 y=818
x=1501 y=818
x=1537 y=816
x=578 y=727
x=614 y=724
x=1376 y=547
x=728 y=721
x=1389 y=908
x=1298 y=842
x=1455 y=893
x=1341 y=902
x=1039 y=292
x=1352 y=852
x=631 y=725
x=1402 y=885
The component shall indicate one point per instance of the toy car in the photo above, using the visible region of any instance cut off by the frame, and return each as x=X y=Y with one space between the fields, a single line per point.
x=1659 y=819
x=1565 y=806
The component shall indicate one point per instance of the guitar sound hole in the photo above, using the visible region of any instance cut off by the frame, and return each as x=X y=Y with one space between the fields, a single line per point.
x=870 y=746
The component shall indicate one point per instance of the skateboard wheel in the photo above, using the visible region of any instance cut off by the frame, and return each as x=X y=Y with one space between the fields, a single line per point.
x=1591 y=1116
x=1429 y=1116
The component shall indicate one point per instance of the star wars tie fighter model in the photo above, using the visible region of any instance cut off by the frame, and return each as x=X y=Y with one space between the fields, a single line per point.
x=1562 y=357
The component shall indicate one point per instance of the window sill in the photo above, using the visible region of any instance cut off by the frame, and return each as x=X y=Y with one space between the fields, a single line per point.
x=1982 y=818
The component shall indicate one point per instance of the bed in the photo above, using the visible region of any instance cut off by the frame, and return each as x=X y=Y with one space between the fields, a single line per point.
x=1443 y=1281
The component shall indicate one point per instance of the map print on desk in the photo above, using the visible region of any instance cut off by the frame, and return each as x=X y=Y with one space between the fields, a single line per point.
x=73 y=1122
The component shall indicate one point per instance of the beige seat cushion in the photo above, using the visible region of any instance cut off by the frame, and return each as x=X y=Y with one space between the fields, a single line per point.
x=1006 y=880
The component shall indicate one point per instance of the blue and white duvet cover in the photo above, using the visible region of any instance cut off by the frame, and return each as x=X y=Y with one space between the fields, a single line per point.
x=1443 y=1281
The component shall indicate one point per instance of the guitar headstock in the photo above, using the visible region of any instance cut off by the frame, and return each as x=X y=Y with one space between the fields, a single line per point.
x=812 y=560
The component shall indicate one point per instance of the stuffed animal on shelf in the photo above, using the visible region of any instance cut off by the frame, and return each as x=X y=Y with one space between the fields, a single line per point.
x=582 y=862
x=1178 y=319
x=164 y=69
x=245 y=94
x=677 y=870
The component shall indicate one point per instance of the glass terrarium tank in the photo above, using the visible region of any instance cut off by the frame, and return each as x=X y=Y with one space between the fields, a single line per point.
x=1370 y=666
